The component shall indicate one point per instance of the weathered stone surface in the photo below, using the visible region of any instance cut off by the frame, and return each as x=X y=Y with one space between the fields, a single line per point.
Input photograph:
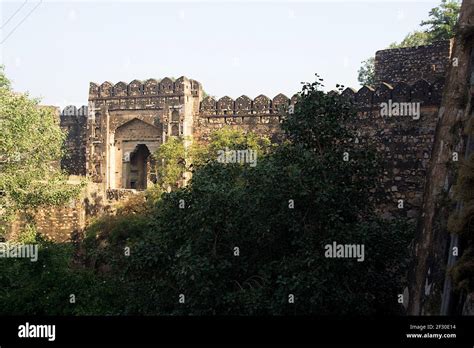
x=411 y=64
x=74 y=122
x=122 y=117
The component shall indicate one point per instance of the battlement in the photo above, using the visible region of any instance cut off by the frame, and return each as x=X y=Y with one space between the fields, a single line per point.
x=365 y=98
x=150 y=87
x=243 y=105
x=421 y=91
x=131 y=120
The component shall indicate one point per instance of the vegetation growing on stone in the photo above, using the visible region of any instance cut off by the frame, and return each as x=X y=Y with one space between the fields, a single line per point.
x=280 y=214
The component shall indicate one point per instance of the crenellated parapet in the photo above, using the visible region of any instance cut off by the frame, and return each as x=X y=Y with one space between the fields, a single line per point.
x=404 y=142
x=108 y=140
x=150 y=87
x=366 y=98
x=261 y=115
x=124 y=117
x=151 y=94
x=244 y=106
x=422 y=91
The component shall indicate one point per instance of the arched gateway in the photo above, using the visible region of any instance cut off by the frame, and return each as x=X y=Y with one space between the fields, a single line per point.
x=136 y=174
x=130 y=155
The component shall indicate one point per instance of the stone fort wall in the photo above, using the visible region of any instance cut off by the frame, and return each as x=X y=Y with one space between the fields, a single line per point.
x=119 y=113
x=73 y=121
x=411 y=75
x=404 y=144
x=429 y=62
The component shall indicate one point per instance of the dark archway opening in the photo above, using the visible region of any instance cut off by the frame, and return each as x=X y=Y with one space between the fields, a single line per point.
x=139 y=168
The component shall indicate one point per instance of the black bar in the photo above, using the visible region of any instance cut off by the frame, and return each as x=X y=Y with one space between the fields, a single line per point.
x=241 y=330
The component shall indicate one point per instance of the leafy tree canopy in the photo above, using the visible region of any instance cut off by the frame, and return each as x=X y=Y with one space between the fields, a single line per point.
x=30 y=148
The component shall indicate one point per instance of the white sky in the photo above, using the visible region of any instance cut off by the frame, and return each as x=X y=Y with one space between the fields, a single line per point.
x=54 y=49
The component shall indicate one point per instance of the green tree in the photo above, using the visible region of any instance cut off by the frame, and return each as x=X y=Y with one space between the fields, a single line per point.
x=228 y=138
x=366 y=73
x=44 y=287
x=239 y=239
x=280 y=214
x=175 y=158
x=416 y=38
x=170 y=163
x=30 y=148
x=4 y=81
x=442 y=21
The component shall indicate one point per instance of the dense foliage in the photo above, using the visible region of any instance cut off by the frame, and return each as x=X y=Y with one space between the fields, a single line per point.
x=171 y=165
x=366 y=73
x=239 y=239
x=30 y=147
x=45 y=287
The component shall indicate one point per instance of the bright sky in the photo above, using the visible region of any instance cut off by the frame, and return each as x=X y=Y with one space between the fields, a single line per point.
x=54 y=49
